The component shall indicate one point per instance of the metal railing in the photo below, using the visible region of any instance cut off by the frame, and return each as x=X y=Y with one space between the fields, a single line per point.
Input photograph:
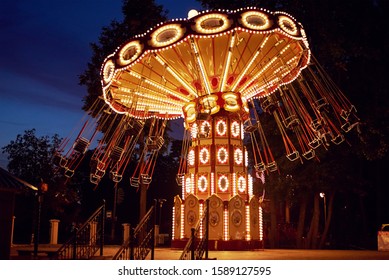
x=191 y=251
x=141 y=240
x=86 y=240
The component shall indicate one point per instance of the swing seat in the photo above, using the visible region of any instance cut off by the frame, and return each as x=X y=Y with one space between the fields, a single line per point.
x=345 y=114
x=69 y=173
x=321 y=104
x=116 y=154
x=260 y=167
x=154 y=143
x=81 y=145
x=272 y=166
x=115 y=177
x=135 y=127
x=309 y=154
x=268 y=106
x=338 y=139
x=347 y=126
x=180 y=179
x=134 y=182
x=315 y=143
x=291 y=122
x=146 y=179
x=293 y=156
x=60 y=160
x=316 y=125
x=94 y=179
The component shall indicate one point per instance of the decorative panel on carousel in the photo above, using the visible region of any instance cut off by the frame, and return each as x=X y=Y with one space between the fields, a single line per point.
x=176 y=219
x=222 y=154
x=237 y=221
x=254 y=218
x=189 y=185
x=191 y=214
x=241 y=183
x=204 y=129
x=221 y=128
x=223 y=185
x=216 y=210
x=204 y=155
x=235 y=128
x=203 y=185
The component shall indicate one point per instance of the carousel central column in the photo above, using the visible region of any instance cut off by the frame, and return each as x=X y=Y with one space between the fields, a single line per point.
x=217 y=170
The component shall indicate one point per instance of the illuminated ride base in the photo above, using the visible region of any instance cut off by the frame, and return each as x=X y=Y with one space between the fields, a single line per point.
x=206 y=69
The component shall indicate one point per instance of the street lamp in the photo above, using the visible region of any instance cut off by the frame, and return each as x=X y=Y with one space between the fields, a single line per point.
x=323 y=196
x=39 y=195
x=160 y=201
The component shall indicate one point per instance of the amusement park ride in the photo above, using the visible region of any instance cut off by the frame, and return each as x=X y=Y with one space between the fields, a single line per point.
x=220 y=71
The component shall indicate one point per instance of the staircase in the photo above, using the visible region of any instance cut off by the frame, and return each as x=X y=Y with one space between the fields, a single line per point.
x=141 y=240
x=191 y=251
x=86 y=240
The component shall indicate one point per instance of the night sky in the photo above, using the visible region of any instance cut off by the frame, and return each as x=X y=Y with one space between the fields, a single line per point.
x=45 y=45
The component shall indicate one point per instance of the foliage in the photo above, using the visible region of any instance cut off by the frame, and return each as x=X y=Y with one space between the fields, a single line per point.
x=138 y=16
x=30 y=158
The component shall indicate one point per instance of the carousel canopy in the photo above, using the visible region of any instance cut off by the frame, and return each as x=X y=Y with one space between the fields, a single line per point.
x=248 y=51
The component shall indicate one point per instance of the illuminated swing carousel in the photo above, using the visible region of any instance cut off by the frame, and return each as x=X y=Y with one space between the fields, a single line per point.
x=221 y=71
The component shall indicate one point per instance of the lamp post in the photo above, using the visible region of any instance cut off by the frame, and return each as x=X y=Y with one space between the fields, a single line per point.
x=323 y=196
x=41 y=190
x=160 y=201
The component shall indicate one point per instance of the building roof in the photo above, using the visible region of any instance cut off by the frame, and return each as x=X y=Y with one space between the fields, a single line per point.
x=12 y=183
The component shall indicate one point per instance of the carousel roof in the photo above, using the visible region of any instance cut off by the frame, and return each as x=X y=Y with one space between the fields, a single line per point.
x=248 y=51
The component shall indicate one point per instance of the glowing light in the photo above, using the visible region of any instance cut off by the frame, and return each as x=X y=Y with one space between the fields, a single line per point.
x=209 y=102
x=201 y=214
x=204 y=155
x=235 y=129
x=202 y=183
x=248 y=236
x=241 y=184
x=223 y=183
x=260 y=223
x=188 y=185
x=108 y=71
x=227 y=64
x=190 y=111
x=288 y=25
x=255 y=20
x=250 y=178
x=225 y=228
x=212 y=23
x=238 y=156
x=234 y=184
x=166 y=35
x=191 y=157
x=129 y=53
x=192 y=13
x=194 y=130
x=212 y=183
x=222 y=155
x=221 y=128
x=231 y=102
x=173 y=222
x=182 y=221
x=205 y=128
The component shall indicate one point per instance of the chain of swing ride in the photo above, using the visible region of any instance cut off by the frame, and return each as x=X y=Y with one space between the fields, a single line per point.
x=115 y=150
x=312 y=108
x=310 y=112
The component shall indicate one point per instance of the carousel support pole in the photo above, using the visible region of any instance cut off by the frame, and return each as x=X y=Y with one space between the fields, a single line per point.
x=39 y=198
x=206 y=229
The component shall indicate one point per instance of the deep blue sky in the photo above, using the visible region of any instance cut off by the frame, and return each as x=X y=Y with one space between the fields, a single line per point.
x=44 y=46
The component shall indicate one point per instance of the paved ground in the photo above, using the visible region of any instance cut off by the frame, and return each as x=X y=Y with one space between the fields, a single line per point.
x=266 y=254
